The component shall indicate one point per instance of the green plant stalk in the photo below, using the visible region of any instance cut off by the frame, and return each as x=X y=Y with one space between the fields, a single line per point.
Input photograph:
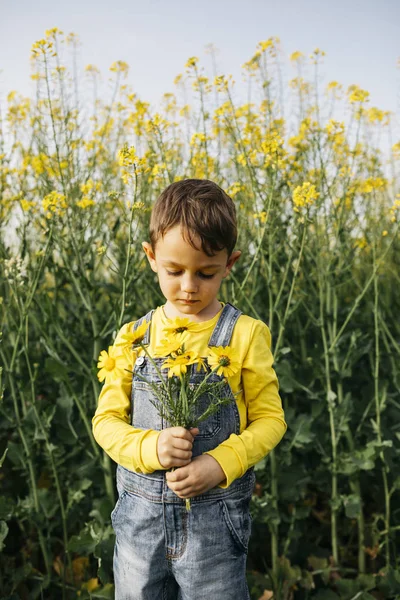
x=203 y=114
x=357 y=301
x=354 y=479
x=272 y=455
x=106 y=461
x=182 y=393
x=127 y=261
x=330 y=404
x=378 y=411
x=32 y=476
x=51 y=459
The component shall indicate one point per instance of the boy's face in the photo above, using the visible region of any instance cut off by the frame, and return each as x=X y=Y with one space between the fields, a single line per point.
x=188 y=278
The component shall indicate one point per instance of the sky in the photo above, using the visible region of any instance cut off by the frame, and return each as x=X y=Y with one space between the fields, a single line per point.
x=361 y=39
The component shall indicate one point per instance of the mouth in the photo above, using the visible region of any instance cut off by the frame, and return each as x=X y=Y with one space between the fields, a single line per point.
x=188 y=301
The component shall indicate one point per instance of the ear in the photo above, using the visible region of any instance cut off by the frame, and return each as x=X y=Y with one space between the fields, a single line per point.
x=151 y=257
x=231 y=261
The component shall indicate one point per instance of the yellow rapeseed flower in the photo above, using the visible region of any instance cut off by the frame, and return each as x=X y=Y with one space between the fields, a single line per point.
x=92 y=69
x=296 y=56
x=110 y=364
x=54 y=203
x=262 y=216
x=53 y=32
x=41 y=48
x=127 y=156
x=26 y=205
x=191 y=62
x=396 y=150
x=304 y=195
x=356 y=94
x=234 y=189
x=119 y=67
x=85 y=202
x=225 y=358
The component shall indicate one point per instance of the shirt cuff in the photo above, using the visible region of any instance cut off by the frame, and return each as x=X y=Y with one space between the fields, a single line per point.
x=230 y=462
x=148 y=451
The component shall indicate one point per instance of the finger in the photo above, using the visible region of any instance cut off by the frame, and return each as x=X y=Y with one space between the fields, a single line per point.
x=194 y=430
x=181 y=454
x=186 y=493
x=181 y=444
x=181 y=432
x=178 y=475
x=180 y=489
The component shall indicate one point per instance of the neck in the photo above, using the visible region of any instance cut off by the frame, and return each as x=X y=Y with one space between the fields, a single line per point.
x=171 y=312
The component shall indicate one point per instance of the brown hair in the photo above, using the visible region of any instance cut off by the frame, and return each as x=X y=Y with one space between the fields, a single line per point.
x=202 y=209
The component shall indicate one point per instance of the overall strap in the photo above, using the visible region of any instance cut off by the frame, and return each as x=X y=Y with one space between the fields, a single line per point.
x=221 y=336
x=147 y=318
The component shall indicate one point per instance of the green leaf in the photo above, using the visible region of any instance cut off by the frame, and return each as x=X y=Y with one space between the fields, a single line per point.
x=6 y=507
x=352 y=505
x=3 y=457
x=16 y=454
x=326 y=594
x=104 y=552
x=76 y=492
x=367 y=582
x=106 y=592
x=287 y=382
x=260 y=466
x=83 y=543
x=331 y=397
x=57 y=370
x=318 y=563
x=3 y=533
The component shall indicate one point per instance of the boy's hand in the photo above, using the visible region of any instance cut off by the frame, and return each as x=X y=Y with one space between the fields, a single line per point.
x=174 y=446
x=202 y=474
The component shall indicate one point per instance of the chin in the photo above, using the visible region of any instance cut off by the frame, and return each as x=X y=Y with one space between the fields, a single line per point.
x=189 y=308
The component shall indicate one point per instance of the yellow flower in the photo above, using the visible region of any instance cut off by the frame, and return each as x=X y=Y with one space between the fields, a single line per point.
x=134 y=338
x=111 y=365
x=168 y=346
x=191 y=62
x=178 y=365
x=85 y=202
x=304 y=195
x=179 y=326
x=356 y=94
x=127 y=156
x=262 y=216
x=54 y=203
x=295 y=56
x=225 y=358
x=92 y=69
x=119 y=67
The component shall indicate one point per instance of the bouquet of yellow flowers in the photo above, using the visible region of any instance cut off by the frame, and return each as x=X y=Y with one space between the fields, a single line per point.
x=175 y=398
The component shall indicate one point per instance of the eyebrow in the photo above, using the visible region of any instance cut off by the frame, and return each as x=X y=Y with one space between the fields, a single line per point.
x=174 y=264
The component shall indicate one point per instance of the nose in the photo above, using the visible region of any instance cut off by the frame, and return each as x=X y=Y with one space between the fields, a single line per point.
x=188 y=284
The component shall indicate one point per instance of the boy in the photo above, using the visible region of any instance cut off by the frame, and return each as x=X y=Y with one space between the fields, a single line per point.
x=162 y=551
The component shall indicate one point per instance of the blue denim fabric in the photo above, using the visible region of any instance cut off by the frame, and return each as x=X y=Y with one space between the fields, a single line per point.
x=162 y=551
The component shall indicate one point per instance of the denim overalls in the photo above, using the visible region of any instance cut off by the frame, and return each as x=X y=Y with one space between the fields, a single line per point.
x=162 y=551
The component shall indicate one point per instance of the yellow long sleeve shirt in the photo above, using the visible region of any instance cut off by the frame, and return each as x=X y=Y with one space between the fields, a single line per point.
x=262 y=422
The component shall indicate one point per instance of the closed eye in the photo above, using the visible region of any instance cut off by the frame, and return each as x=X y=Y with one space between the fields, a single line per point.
x=202 y=275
